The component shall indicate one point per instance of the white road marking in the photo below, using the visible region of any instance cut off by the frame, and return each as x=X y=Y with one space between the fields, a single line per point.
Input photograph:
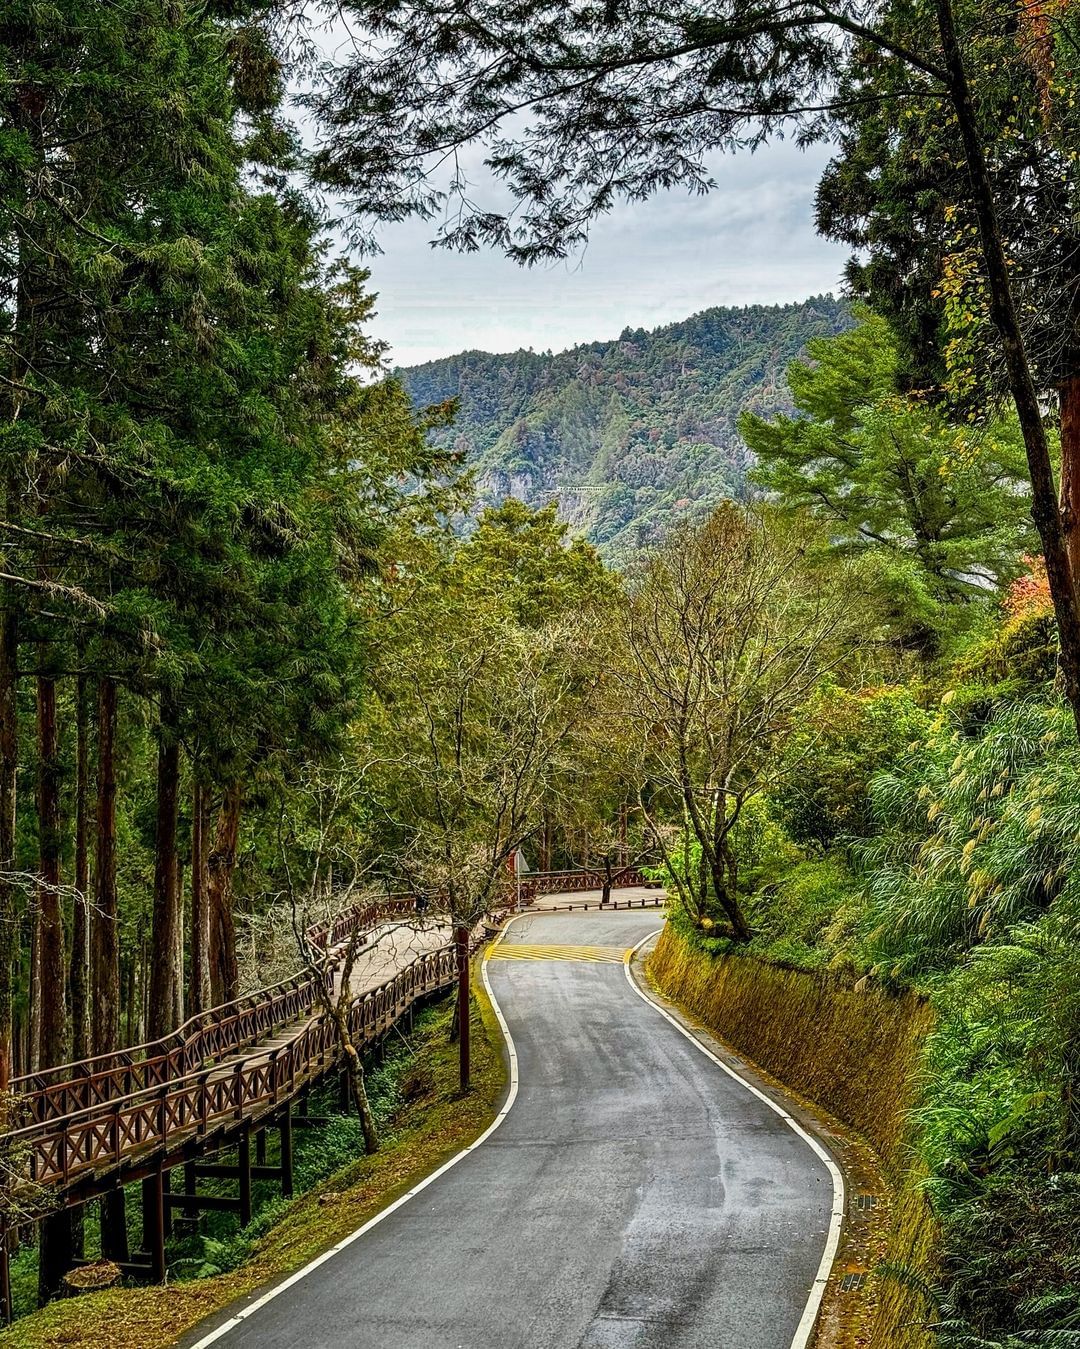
x=511 y=1096
x=806 y=1325
x=817 y=1291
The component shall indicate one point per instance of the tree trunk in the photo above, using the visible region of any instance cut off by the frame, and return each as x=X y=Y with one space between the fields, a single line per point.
x=178 y=942
x=33 y=981
x=104 y=943
x=52 y=1046
x=224 y=973
x=167 y=922
x=1070 y=470
x=79 y=967
x=461 y=939
x=9 y=747
x=199 y=994
x=1045 y=510
x=355 y=1069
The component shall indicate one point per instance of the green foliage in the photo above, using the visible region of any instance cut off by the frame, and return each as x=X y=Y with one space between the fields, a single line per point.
x=961 y=878
x=523 y=561
x=1000 y=1130
x=632 y=435
x=892 y=474
x=843 y=739
x=792 y=917
x=976 y=834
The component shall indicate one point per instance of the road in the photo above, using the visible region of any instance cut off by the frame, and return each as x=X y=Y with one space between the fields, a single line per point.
x=634 y=1194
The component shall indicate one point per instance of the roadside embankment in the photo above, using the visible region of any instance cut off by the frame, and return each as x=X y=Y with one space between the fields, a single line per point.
x=854 y=1054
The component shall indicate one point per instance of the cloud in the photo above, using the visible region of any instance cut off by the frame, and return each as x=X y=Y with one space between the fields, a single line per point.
x=751 y=240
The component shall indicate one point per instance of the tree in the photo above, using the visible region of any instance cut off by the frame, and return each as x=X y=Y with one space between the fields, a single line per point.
x=627 y=101
x=475 y=738
x=728 y=626
x=467 y=736
x=890 y=473
x=898 y=191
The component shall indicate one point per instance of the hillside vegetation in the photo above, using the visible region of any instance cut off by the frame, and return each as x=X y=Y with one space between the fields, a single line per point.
x=626 y=435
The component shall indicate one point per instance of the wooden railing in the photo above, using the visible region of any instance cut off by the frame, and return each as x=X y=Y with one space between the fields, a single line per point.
x=205 y=1038
x=96 y=1115
x=157 y=1119
x=535 y=883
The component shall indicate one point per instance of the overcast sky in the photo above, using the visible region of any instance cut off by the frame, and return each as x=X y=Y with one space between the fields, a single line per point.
x=752 y=240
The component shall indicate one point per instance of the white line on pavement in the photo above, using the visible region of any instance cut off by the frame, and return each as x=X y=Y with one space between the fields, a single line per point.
x=817 y=1291
x=221 y=1331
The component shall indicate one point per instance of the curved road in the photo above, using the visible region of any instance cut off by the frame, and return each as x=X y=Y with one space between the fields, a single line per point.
x=634 y=1195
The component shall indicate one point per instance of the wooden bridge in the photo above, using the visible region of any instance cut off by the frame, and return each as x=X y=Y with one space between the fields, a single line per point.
x=231 y=1073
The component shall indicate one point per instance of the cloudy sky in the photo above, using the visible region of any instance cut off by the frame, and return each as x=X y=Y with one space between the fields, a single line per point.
x=751 y=240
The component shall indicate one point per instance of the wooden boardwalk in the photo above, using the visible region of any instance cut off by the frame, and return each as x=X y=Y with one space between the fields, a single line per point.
x=228 y=1075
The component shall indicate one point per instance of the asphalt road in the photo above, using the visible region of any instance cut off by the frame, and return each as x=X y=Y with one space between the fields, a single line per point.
x=634 y=1195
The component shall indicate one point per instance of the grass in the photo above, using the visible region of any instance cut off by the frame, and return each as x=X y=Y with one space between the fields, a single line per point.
x=429 y=1122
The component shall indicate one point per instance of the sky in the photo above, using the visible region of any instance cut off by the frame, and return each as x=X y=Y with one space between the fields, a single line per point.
x=750 y=241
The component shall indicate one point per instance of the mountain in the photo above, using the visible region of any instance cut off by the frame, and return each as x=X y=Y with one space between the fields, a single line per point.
x=628 y=434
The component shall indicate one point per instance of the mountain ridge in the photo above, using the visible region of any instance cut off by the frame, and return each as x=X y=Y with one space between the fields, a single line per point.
x=628 y=433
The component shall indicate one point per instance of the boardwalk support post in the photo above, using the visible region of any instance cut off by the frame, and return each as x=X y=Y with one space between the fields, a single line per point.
x=114 y=1242
x=285 y=1127
x=244 y=1163
x=191 y=1185
x=153 y=1217
x=56 y=1252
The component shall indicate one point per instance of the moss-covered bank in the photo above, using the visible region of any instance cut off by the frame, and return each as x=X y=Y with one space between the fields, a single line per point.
x=856 y=1054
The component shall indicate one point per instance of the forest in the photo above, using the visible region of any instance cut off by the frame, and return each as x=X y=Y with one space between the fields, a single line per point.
x=279 y=639
x=626 y=436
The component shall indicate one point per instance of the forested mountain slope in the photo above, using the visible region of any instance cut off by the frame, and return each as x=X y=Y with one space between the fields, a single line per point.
x=628 y=433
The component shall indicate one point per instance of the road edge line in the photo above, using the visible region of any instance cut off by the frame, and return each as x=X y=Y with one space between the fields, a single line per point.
x=805 y=1328
x=245 y=1313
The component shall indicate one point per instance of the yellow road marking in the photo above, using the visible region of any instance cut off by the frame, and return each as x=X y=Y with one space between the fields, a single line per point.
x=600 y=955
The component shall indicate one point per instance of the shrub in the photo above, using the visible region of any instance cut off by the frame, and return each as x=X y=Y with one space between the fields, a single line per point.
x=843 y=739
x=793 y=915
